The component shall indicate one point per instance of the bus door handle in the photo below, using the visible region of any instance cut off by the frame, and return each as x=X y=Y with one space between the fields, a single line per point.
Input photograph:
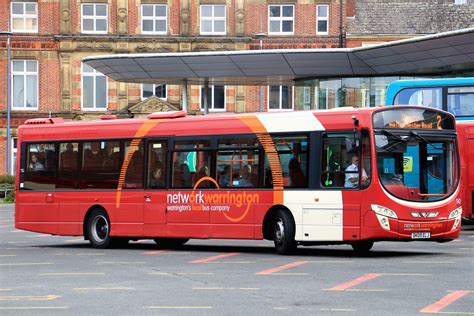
x=147 y=198
x=49 y=198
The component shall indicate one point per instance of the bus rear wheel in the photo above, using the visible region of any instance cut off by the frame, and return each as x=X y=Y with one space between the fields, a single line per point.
x=171 y=242
x=98 y=229
x=362 y=247
x=284 y=233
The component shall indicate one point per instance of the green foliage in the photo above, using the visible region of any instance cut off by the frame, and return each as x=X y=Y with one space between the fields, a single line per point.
x=7 y=179
x=10 y=198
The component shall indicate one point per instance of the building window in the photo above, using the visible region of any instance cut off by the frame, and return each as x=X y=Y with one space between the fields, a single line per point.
x=216 y=99
x=306 y=98
x=322 y=19
x=25 y=84
x=154 y=18
x=280 y=98
x=94 y=18
x=158 y=90
x=94 y=89
x=281 y=19
x=24 y=17
x=213 y=19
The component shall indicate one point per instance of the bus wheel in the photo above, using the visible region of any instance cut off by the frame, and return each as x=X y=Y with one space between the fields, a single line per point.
x=284 y=233
x=170 y=242
x=98 y=229
x=362 y=247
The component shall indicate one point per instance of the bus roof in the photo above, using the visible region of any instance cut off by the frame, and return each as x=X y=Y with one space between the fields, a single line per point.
x=222 y=124
x=398 y=85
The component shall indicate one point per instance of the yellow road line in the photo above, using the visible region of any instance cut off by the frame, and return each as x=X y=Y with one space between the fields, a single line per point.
x=26 y=264
x=329 y=261
x=72 y=273
x=180 y=273
x=236 y=262
x=103 y=288
x=289 y=273
x=430 y=262
x=30 y=298
x=120 y=262
x=226 y=288
x=178 y=307
x=32 y=307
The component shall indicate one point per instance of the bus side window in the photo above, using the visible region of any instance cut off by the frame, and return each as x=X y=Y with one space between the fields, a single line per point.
x=191 y=162
x=100 y=165
x=40 y=171
x=135 y=159
x=339 y=167
x=293 y=154
x=157 y=165
x=68 y=165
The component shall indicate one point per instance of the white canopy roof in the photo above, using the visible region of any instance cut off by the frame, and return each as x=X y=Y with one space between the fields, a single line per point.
x=432 y=54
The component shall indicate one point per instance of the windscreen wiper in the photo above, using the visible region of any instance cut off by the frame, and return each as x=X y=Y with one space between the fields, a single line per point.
x=390 y=134
x=412 y=133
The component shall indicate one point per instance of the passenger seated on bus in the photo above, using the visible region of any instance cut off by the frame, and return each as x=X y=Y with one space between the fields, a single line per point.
x=184 y=178
x=352 y=174
x=224 y=179
x=246 y=179
x=157 y=179
x=202 y=172
x=35 y=165
x=297 y=177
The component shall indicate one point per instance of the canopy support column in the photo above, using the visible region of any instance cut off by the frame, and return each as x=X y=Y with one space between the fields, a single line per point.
x=184 y=95
x=206 y=96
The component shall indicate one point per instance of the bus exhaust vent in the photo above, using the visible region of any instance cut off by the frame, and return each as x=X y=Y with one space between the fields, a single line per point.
x=107 y=117
x=55 y=120
x=166 y=115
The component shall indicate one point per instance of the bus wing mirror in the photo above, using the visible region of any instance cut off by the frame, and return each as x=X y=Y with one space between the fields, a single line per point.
x=352 y=144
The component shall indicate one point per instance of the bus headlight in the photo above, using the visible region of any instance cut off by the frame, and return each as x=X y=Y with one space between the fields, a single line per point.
x=456 y=215
x=383 y=213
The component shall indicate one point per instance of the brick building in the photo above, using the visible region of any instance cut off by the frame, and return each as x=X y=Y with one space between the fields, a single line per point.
x=50 y=37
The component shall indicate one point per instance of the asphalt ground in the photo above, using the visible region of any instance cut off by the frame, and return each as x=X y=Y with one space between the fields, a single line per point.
x=48 y=275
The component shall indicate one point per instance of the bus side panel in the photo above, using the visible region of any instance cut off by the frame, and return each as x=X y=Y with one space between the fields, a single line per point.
x=37 y=211
x=69 y=210
x=352 y=213
x=469 y=183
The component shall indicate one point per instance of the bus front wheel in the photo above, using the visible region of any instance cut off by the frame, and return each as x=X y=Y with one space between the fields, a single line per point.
x=98 y=229
x=284 y=233
x=362 y=247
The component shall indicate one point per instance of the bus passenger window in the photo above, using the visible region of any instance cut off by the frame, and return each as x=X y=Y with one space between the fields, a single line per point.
x=157 y=165
x=191 y=163
x=238 y=163
x=340 y=164
x=134 y=159
x=40 y=171
x=100 y=165
x=293 y=156
x=68 y=165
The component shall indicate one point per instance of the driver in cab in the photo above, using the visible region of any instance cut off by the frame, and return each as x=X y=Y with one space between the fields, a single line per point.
x=352 y=174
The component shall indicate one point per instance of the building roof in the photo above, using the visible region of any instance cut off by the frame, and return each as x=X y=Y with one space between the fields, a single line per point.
x=413 y=17
x=428 y=55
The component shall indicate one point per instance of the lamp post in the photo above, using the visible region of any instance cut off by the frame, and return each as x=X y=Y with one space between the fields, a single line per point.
x=8 y=151
x=260 y=35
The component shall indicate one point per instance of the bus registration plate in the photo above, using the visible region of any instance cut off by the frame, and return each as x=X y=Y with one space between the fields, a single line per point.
x=424 y=235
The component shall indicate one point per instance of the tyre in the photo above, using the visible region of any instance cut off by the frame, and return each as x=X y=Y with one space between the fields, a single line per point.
x=170 y=242
x=98 y=229
x=362 y=247
x=284 y=233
